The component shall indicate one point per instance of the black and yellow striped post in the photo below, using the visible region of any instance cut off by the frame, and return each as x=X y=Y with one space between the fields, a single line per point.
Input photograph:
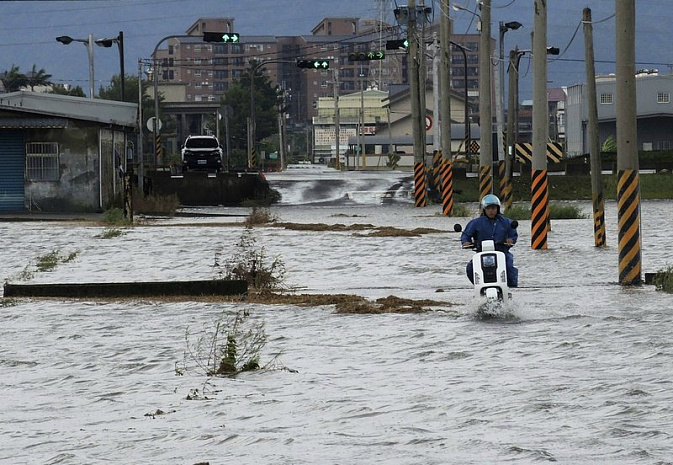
x=628 y=199
x=436 y=169
x=420 y=185
x=252 y=162
x=539 y=200
x=599 y=219
x=505 y=185
x=485 y=181
x=447 y=187
x=157 y=149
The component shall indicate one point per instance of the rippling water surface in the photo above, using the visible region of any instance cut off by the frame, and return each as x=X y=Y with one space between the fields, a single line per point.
x=579 y=373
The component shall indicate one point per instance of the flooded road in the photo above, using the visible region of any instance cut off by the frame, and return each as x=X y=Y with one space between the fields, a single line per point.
x=581 y=374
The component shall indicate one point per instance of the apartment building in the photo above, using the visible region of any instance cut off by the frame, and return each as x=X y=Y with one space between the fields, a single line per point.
x=194 y=74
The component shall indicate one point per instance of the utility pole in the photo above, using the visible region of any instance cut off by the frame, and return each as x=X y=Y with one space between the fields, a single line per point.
x=628 y=183
x=337 y=121
x=594 y=146
x=141 y=169
x=511 y=118
x=485 y=111
x=416 y=56
x=539 y=179
x=444 y=120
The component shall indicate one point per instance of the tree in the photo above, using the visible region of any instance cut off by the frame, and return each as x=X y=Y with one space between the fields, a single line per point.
x=266 y=107
x=13 y=79
x=38 y=78
x=60 y=89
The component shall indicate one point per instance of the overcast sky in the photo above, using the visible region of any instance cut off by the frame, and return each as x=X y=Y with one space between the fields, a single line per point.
x=28 y=30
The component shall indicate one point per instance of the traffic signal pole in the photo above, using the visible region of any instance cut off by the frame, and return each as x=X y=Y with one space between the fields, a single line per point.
x=256 y=65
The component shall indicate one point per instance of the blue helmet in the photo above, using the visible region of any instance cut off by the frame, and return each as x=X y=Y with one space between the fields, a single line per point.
x=489 y=200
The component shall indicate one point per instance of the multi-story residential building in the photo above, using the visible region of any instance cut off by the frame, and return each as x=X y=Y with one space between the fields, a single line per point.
x=195 y=74
x=654 y=109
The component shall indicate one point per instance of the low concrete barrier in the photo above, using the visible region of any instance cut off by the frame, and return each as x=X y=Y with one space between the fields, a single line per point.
x=135 y=289
x=200 y=188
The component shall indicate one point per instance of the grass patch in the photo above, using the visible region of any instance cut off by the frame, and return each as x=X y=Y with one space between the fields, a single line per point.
x=109 y=233
x=115 y=217
x=51 y=260
x=663 y=280
x=518 y=212
x=557 y=211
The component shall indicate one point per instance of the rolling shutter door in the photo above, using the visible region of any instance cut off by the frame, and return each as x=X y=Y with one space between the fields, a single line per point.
x=11 y=171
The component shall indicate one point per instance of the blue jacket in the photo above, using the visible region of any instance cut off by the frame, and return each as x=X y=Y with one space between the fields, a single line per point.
x=482 y=228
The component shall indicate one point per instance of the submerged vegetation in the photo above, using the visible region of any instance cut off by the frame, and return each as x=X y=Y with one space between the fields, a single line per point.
x=231 y=347
x=663 y=279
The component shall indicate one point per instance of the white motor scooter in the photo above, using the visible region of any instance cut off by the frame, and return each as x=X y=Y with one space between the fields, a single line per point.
x=489 y=272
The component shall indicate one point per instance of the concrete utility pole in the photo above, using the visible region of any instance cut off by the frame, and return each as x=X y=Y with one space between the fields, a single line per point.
x=628 y=184
x=485 y=111
x=594 y=146
x=513 y=71
x=141 y=161
x=539 y=180
x=416 y=57
x=445 y=109
x=337 y=121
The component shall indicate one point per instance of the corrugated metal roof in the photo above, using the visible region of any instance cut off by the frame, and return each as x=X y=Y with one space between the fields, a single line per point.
x=33 y=123
x=67 y=106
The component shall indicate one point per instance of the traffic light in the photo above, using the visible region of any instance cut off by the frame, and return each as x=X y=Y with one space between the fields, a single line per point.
x=231 y=37
x=366 y=56
x=313 y=64
x=553 y=51
x=397 y=44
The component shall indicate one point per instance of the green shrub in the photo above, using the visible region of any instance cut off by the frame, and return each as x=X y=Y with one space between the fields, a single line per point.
x=232 y=346
x=115 y=216
x=663 y=280
x=250 y=263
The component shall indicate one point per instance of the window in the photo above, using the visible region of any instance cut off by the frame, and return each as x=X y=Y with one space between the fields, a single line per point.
x=42 y=161
x=663 y=97
x=606 y=99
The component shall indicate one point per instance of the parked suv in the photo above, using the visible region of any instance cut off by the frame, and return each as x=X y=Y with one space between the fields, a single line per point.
x=202 y=153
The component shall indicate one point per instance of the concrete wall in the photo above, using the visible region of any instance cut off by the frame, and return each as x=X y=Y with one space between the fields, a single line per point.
x=197 y=188
x=78 y=186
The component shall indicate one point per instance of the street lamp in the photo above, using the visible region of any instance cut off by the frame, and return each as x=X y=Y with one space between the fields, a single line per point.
x=504 y=27
x=119 y=40
x=462 y=8
x=66 y=40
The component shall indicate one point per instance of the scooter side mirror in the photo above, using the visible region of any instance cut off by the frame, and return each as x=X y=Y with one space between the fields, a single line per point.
x=515 y=224
x=457 y=227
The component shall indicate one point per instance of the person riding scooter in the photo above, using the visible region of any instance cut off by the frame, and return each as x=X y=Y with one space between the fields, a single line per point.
x=492 y=225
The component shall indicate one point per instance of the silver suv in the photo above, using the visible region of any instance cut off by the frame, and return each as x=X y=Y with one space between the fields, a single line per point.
x=202 y=153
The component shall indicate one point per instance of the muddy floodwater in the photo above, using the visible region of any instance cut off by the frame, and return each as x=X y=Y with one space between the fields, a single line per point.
x=579 y=372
